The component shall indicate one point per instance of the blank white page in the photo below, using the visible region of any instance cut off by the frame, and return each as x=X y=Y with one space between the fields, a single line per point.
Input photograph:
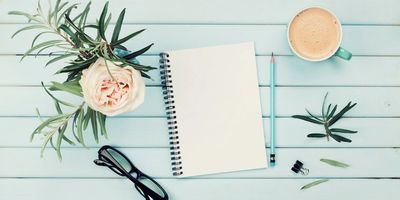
x=218 y=109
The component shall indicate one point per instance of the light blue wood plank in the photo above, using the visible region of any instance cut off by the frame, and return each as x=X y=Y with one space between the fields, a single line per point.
x=360 y=40
x=372 y=101
x=291 y=71
x=211 y=189
x=234 y=11
x=77 y=162
x=152 y=132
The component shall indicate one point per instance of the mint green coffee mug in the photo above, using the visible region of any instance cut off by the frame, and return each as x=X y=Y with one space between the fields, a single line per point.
x=315 y=34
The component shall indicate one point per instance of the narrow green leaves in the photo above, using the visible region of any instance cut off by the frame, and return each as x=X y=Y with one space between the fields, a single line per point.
x=84 y=14
x=80 y=126
x=121 y=41
x=330 y=114
x=339 y=138
x=118 y=26
x=56 y=99
x=334 y=163
x=328 y=119
x=139 y=52
x=93 y=120
x=102 y=22
x=102 y=122
x=78 y=65
x=37 y=26
x=28 y=16
x=313 y=116
x=314 y=183
x=316 y=135
x=71 y=87
x=61 y=57
x=335 y=118
x=42 y=45
x=341 y=130
x=308 y=119
x=71 y=34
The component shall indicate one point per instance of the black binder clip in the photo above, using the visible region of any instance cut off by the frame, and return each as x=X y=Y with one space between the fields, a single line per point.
x=298 y=167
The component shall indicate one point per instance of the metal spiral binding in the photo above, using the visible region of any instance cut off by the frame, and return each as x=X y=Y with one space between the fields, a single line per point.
x=168 y=92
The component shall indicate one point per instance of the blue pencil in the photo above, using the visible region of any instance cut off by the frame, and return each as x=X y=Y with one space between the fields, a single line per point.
x=272 y=110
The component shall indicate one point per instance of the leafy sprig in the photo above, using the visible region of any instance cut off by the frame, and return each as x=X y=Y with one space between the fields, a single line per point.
x=328 y=119
x=73 y=41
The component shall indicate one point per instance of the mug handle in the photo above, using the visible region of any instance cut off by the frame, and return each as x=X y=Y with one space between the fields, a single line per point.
x=343 y=53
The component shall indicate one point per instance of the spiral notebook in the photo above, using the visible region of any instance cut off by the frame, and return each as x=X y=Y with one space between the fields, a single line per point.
x=213 y=109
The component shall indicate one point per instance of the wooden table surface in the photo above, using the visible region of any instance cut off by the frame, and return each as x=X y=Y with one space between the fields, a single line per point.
x=371 y=32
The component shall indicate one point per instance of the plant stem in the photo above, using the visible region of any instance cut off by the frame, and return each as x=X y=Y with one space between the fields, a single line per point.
x=327 y=130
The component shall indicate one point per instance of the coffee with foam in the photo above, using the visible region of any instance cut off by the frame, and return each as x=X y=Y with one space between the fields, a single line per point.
x=314 y=34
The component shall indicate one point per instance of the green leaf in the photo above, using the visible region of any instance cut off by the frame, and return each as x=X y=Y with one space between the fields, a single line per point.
x=341 y=130
x=316 y=135
x=93 y=120
x=60 y=136
x=46 y=123
x=36 y=26
x=78 y=66
x=117 y=28
x=54 y=98
x=334 y=163
x=51 y=133
x=58 y=108
x=139 y=52
x=53 y=60
x=323 y=106
x=88 y=116
x=42 y=49
x=65 y=12
x=339 y=138
x=72 y=35
x=76 y=90
x=102 y=121
x=82 y=20
x=41 y=45
x=65 y=138
x=29 y=16
x=120 y=41
x=306 y=118
x=49 y=13
x=102 y=22
x=332 y=113
x=335 y=118
x=313 y=116
x=107 y=22
x=314 y=183
x=329 y=109
x=79 y=32
x=74 y=126
x=37 y=37
x=80 y=127
x=54 y=13
x=145 y=75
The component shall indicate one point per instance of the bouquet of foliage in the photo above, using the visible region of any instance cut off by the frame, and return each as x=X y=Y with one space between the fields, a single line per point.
x=101 y=71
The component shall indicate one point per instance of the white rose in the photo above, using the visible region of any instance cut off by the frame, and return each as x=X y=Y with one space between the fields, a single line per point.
x=112 y=97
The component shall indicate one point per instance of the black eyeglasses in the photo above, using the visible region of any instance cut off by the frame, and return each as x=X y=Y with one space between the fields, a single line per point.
x=120 y=164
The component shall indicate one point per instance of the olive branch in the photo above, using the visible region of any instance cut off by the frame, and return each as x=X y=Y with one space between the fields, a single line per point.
x=82 y=49
x=328 y=119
